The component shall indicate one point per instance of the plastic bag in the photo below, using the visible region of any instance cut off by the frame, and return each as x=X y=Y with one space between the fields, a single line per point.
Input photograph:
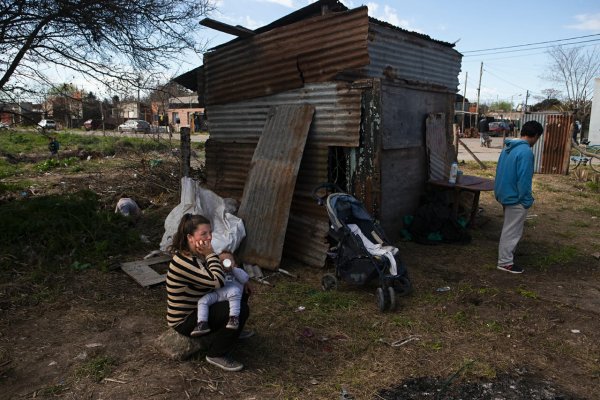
x=227 y=229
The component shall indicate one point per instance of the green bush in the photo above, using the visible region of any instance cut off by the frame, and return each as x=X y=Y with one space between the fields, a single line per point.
x=56 y=232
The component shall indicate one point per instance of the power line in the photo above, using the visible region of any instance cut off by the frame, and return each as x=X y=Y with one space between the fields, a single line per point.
x=518 y=55
x=531 y=44
x=528 y=49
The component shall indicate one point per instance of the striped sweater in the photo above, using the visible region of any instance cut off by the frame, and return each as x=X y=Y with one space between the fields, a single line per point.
x=188 y=279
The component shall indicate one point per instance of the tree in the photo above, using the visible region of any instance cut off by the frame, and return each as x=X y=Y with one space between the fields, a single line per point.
x=548 y=104
x=108 y=41
x=575 y=68
x=501 y=106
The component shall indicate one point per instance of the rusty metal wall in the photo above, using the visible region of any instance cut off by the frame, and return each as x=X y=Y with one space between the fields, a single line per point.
x=335 y=123
x=311 y=50
x=234 y=132
x=551 y=152
x=398 y=55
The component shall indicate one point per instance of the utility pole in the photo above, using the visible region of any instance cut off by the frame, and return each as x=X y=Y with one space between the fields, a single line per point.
x=479 y=90
x=524 y=108
x=462 y=129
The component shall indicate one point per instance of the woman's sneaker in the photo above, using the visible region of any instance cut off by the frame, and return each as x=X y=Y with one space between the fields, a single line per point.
x=513 y=269
x=226 y=363
x=233 y=323
x=201 y=329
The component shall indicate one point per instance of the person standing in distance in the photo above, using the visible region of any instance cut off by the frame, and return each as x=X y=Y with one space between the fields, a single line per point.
x=512 y=189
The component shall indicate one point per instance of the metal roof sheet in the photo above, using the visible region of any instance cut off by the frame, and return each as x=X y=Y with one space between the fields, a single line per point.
x=311 y=50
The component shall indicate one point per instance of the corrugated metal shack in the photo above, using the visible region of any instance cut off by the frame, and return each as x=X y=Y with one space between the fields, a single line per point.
x=372 y=85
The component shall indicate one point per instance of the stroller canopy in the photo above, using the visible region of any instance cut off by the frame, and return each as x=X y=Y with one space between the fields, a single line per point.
x=343 y=209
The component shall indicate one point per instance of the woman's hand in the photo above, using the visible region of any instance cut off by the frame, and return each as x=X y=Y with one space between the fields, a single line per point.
x=203 y=247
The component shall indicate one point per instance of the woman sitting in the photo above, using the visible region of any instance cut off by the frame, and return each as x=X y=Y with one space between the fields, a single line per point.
x=194 y=271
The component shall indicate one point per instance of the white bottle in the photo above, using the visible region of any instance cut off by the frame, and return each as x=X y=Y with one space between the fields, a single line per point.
x=453 y=173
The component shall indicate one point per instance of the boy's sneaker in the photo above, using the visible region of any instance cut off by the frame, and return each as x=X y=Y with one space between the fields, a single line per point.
x=225 y=363
x=513 y=269
x=233 y=323
x=201 y=329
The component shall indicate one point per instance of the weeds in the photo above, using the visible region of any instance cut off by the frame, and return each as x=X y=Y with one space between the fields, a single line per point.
x=97 y=368
x=62 y=231
x=530 y=294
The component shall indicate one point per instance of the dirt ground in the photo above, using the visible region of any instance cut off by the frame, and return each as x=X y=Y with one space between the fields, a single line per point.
x=492 y=335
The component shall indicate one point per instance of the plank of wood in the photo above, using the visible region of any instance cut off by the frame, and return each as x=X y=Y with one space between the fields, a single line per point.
x=143 y=274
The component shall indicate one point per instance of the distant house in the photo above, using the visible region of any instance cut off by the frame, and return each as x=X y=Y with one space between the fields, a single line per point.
x=133 y=110
x=186 y=111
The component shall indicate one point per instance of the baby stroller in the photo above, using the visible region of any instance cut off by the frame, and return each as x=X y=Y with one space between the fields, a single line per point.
x=361 y=251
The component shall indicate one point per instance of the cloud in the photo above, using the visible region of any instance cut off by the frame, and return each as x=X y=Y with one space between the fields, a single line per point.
x=389 y=15
x=586 y=22
x=245 y=21
x=285 y=3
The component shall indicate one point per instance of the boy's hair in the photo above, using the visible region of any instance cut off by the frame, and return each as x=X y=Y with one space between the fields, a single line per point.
x=532 y=129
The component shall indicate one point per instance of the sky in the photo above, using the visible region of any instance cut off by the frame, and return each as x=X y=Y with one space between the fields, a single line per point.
x=507 y=76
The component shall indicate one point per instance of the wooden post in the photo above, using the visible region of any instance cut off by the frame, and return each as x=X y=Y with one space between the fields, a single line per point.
x=482 y=165
x=185 y=151
x=455 y=139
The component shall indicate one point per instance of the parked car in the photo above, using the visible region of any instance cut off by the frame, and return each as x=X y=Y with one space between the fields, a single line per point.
x=498 y=128
x=134 y=125
x=93 y=124
x=46 y=124
x=3 y=126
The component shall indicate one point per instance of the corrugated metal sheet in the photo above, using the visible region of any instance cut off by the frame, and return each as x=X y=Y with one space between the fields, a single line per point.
x=437 y=146
x=557 y=144
x=335 y=123
x=311 y=50
x=227 y=166
x=398 y=55
x=551 y=152
x=265 y=205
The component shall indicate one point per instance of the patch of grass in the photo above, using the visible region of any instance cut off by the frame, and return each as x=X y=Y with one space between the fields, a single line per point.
x=96 y=368
x=593 y=186
x=494 y=326
x=7 y=169
x=61 y=230
x=558 y=256
x=13 y=187
x=579 y=224
x=53 y=390
x=530 y=294
x=402 y=321
x=593 y=211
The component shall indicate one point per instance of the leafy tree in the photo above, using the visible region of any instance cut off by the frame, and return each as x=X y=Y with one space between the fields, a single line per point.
x=505 y=106
x=548 y=104
x=107 y=41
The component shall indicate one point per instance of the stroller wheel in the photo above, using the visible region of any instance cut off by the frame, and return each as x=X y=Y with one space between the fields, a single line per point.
x=382 y=298
x=393 y=302
x=329 y=282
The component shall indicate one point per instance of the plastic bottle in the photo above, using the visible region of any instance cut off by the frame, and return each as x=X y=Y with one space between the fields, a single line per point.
x=453 y=173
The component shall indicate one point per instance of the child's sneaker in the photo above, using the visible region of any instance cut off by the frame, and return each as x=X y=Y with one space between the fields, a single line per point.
x=513 y=269
x=201 y=329
x=233 y=323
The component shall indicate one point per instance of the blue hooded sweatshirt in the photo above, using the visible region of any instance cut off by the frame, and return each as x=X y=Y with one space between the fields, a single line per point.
x=514 y=174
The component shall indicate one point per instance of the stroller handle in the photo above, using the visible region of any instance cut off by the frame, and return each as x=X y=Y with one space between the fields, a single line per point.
x=329 y=188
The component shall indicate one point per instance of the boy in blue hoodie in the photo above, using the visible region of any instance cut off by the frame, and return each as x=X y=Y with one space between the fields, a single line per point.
x=513 y=190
